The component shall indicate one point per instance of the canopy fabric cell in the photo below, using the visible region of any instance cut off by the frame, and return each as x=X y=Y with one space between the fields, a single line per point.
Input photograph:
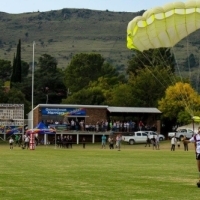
x=163 y=26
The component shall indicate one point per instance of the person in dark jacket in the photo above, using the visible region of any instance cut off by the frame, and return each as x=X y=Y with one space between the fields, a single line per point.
x=148 y=142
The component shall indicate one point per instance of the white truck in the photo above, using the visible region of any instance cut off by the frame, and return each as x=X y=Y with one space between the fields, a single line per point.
x=135 y=137
x=180 y=133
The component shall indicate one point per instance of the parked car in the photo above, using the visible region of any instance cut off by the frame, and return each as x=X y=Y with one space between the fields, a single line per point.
x=135 y=137
x=152 y=133
x=181 y=133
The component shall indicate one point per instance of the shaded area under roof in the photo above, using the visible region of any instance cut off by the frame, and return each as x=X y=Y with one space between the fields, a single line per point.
x=132 y=110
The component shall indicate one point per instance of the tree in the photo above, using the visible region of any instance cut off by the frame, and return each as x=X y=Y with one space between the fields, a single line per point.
x=48 y=82
x=13 y=77
x=5 y=70
x=121 y=95
x=149 y=86
x=97 y=90
x=15 y=96
x=86 y=96
x=47 y=63
x=18 y=72
x=3 y=96
x=96 y=93
x=25 y=69
x=161 y=57
x=82 y=69
x=16 y=76
x=180 y=101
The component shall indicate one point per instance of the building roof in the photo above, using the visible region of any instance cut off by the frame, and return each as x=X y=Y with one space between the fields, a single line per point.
x=133 y=110
x=111 y=109
x=70 y=106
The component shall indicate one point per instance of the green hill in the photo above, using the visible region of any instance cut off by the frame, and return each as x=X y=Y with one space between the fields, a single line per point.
x=64 y=33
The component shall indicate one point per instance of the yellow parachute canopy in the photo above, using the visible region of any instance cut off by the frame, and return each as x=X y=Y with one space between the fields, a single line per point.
x=163 y=26
x=196 y=118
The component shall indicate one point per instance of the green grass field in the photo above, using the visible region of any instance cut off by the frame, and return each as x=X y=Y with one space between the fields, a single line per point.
x=135 y=172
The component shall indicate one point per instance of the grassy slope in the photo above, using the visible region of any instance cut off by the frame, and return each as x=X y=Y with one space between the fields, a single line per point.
x=64 y=33
x=135 y=172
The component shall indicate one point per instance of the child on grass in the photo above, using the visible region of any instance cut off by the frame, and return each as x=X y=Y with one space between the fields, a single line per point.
x=11 y=141
x=178 y=144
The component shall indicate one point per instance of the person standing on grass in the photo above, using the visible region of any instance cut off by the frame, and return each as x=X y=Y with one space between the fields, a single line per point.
x=148 y=141
x=65 y=142
x=111 y=142
x=26 y=141
x=20 y=141
x=36 y=140
x=103 y=141
x=58 y=141
x=173 y=143
x=185 y=144
x=158 y=141
x=16 y=140
x=178 y=144
x=119 y=139
x=11 y=141
x=153 y=141
x=83 y=142
x=70 y=141
x=196 y=140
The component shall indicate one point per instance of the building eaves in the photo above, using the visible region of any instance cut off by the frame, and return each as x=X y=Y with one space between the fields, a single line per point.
x=133 y=110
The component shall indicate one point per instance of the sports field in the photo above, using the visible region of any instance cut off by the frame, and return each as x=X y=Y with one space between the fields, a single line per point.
x=135 y=172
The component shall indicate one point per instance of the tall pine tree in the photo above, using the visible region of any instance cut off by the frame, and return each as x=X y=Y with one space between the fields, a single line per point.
x=12 y=78
x=16 y=76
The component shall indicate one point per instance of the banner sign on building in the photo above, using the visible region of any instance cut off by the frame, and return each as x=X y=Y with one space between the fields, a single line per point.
x=64 y=111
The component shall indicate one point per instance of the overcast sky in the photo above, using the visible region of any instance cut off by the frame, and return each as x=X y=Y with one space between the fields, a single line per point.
x=21 y=6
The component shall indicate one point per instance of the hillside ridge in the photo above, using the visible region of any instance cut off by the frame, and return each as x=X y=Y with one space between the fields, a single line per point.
x=66 y=32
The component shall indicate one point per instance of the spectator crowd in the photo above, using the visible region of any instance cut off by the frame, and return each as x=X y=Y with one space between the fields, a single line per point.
x=101 y=126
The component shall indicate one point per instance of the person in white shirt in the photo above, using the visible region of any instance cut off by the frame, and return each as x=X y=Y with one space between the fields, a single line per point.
x=173 y=143
x=118 y=141
x=196 y=140
x=72 y=123
x=26 y=141
x=11 y=141
x=158 y=142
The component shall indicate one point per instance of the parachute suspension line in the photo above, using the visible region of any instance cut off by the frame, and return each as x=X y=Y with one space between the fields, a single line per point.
x=154 y=76
x=177 y=65
x=197 y=79
x=188 y=61
x=166 y=84
x=142 y=37
x=171 y=76
x=173 y=83
x=184 y=94
x=164 y=81
x=150 y=70
x=197 y=76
